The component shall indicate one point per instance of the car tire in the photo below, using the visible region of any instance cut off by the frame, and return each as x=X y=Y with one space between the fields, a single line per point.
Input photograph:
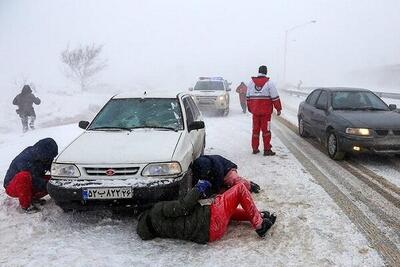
x=302 y=130
x=226 y=112
x=332 y=146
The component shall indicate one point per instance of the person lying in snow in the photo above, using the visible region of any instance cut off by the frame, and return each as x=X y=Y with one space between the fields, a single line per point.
x=221 y=172
x=187 y=219
x=26 y=179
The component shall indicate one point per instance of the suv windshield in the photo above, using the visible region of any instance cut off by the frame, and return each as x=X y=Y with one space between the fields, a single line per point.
x=209 y=85
x=129 y=113
x=357 y=100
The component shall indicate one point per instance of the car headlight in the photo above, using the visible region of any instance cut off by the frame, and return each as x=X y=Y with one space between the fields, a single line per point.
x=358 y=131
x=221 y=98
x=64 y=170
x=162 y=169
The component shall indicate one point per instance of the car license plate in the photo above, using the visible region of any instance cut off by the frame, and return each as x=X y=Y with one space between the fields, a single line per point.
x=107 y=193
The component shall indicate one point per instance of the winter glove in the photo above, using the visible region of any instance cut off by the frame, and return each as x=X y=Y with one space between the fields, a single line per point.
x=254 y=188
x=202 y=186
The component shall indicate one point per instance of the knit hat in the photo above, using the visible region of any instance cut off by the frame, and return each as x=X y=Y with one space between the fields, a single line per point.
x=202 y=168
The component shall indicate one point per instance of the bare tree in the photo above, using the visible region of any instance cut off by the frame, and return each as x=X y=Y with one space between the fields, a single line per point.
x=83 y=63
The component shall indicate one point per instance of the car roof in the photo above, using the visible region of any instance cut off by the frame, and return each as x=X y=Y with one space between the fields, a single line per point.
x=149 y=94
x=335 y=89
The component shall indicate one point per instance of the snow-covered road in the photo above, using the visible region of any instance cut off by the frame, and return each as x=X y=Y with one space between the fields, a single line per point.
x=312 y=229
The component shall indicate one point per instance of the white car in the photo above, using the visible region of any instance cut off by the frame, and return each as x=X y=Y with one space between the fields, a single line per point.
x=137 y=150
x=212 y=94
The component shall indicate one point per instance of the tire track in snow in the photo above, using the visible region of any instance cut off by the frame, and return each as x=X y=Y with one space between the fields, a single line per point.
x=377 y=238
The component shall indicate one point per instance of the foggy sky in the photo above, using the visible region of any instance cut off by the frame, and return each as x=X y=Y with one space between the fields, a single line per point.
x=168 y=44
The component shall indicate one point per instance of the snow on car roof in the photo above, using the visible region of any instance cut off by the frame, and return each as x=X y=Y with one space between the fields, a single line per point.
x=148 y=94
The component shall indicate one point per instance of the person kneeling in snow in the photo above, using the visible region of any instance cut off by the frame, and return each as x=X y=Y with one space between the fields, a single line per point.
x=221 y=172
x=26 y=179
x=187 y=219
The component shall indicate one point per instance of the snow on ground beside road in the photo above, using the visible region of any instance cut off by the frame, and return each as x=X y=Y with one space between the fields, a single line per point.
x=310 y=231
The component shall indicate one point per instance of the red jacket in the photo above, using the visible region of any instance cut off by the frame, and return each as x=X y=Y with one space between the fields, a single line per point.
x=242 y=90
x=262 y=96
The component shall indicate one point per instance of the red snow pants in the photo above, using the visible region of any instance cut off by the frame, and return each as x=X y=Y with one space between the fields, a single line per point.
x=21 y=187
x=261 y=123
x=225 y=208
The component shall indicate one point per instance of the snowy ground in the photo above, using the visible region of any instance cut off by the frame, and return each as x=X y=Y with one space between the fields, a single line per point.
x=311 y=229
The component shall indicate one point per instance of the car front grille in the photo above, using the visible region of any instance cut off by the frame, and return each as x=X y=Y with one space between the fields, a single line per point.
x=206 y=99
x=385 y=132
x=111 y=171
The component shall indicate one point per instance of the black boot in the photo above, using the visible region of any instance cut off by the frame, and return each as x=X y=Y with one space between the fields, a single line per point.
x=256 y=151
x=266 y=225
x=269 y=152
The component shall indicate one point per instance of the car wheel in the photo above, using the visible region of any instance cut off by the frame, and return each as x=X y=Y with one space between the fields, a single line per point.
x=302 y=131
x=226 y=112
x=333 y=147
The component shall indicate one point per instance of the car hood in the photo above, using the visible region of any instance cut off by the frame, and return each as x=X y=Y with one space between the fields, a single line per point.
x=208 y=93
x=104 y=147
x=372 y=119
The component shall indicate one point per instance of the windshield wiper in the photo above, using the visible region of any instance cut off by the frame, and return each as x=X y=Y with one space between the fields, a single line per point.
x=111 y=128
x=156 y=127
x=373 y=108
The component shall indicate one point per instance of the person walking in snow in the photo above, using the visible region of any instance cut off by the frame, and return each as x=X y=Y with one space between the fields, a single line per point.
x=187 y=219
x=242 y=90
x=25 y=178
x=262 y=98
x=221 y=172
x=26 y=112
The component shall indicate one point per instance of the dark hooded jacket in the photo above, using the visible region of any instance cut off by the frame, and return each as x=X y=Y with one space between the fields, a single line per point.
x=212 y=168
x=183 y=219
x=25 y=101
x=35 y=159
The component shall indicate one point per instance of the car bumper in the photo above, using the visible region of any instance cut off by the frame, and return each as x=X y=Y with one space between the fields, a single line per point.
x=69 y=193
x=377 y=145
x=212 y=105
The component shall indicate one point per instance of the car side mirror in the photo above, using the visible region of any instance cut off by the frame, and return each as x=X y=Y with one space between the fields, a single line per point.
x=190 y=88
x=392 y=107
x=196 y=125
x=83 y=124
x=228 y=89
x=323 y=107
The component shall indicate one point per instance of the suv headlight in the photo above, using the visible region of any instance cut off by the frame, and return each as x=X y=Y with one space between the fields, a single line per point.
x=162 y=169
x=358 y=131
x=64 y=170
x=221 y=98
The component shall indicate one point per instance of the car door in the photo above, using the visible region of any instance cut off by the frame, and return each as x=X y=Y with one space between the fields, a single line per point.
x=320 y=115
x=308 y=110
x=195 y=136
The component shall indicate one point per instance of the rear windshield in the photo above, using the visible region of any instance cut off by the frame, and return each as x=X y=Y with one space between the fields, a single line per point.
x=357 y=100
x=140 y=113
x=209 y=85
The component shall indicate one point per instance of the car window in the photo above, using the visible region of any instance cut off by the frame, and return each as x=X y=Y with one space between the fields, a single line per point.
x=189 y=114
x=209 y=85
x=322 y=100
x=353 y=100
x=312 y=98
x=140 y=112
x=194 y=108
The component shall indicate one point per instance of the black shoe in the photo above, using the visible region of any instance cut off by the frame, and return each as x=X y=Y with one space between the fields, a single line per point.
x=31 y=209
x=40 y=201
x=256 y=151
x=265 y=226
x=269 y=153
x=268 y=215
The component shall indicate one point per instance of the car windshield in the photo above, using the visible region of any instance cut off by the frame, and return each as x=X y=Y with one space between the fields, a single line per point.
x=209 y=85
x=357 y=100
x=130 y=113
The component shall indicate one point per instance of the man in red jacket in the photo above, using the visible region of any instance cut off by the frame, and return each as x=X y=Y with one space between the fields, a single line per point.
x=242 y=90
x=262 y=98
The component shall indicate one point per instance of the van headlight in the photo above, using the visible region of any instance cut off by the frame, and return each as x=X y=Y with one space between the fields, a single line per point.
x=64 y=170
x=162 y=169
x=358 y=131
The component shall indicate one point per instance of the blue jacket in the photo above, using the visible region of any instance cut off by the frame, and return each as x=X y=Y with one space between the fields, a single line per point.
x=35 y=159
x=212 y=168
